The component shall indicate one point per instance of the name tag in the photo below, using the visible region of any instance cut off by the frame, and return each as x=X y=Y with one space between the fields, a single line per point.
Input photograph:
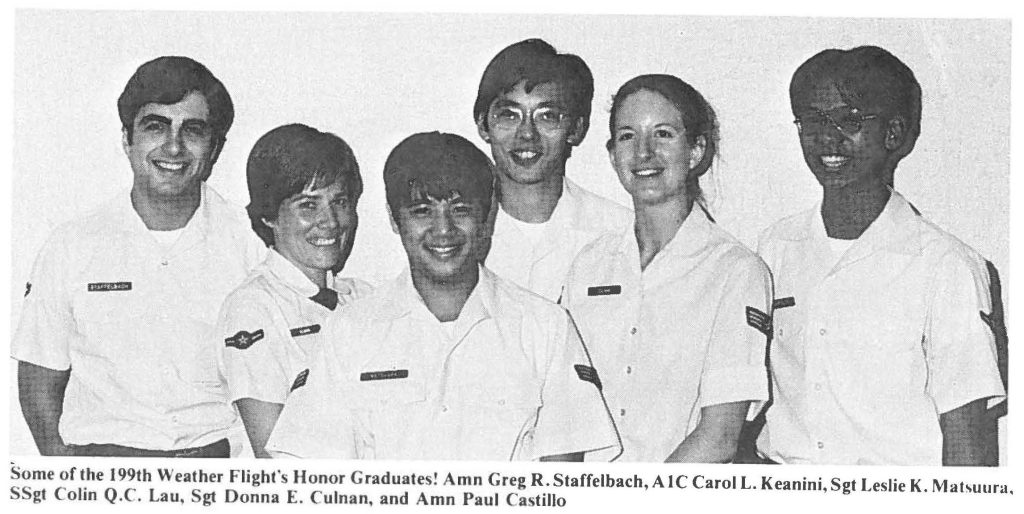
x=305 y=331
x=604 y=290
x=96 y=287
x=782 y=303
x=390 y=374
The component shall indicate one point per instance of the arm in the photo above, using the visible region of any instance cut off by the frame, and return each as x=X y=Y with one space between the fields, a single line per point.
x=41 y=394
x=969 y=436
x=259 y=418
x=716 y=436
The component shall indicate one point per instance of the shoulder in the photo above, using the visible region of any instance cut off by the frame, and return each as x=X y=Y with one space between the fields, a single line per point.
x=946 y=252
x=510 y=298
x=95 y=229
x=603 y=248
x=225 y=215
x=792 y=227
x=255 y=294
x=734 y=255
x=358 y=288
x=597 y=212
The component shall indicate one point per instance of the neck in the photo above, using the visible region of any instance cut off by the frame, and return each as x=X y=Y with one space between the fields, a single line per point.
x=848 y=212
x=445 y=299
x=165 y=213
x=531 y=203
x=656 y=225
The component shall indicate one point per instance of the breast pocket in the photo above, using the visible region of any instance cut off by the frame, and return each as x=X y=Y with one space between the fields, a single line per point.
x=389 y=412
x=500 y=421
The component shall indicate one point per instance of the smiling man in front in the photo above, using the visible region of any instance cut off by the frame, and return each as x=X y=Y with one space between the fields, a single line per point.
x=449 y=361
x=113 y=343
x=884 y=350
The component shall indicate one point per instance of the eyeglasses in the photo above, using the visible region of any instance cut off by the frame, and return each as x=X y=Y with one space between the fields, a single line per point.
x=547 y=119
x=847 y=121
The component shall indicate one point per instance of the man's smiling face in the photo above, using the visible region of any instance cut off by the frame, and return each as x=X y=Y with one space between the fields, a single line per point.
x=172 y=148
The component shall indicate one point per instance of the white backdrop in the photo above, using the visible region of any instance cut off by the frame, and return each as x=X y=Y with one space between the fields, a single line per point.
x=375 y=78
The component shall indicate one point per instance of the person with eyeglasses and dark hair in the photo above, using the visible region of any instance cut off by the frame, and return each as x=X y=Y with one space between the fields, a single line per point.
x=114 y=339
x=532 y=108
x=883 y=349
x=304 y=185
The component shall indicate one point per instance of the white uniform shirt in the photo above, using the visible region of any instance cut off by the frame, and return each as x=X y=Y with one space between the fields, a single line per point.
x=514 y=383
x=676 y=337
x=268 y=326
x=872 y=346
x=579 y=218
x=133 y=320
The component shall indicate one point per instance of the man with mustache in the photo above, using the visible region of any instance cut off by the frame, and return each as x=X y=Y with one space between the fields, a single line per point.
x=114 y=341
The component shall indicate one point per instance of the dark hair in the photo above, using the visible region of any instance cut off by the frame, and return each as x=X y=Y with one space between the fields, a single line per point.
x=287 y=160
x=869 y=75
x=437 y=165
x=699 y=119
x=535 y=62
x=169 y=79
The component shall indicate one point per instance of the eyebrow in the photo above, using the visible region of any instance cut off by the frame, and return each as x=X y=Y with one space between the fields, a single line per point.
x=154 y=117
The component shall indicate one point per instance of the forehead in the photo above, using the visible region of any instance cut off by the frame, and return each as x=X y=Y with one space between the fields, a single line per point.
x=192 y=107
x=647 y=105
x=544 y=93
x=329 y=190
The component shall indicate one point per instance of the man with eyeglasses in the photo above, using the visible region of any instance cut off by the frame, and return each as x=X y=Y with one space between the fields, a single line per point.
x=532 y=108
x=883 y=349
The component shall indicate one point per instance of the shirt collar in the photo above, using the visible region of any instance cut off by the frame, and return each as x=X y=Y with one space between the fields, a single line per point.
x=291 y=276
x=894 y=229
x=400 y=299
x=691 y=237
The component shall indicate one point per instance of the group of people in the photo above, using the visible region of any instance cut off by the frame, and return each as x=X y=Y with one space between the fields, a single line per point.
x=535 y=320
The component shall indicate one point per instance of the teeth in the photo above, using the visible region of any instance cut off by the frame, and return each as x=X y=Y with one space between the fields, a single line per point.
x=443 y=249
x=172 y=166
x=324 y=241
x=834 y=160
x=526 y=155
x=647 y=172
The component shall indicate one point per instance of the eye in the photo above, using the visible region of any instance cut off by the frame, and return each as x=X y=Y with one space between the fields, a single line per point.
x=153 y=126
x=195 y=130
x=462 y=209
x=340 y=202
x=507 y=114
x=624 y=136
x=419 y=211
x=549 y=116
x=307 y=205
x=664 y=133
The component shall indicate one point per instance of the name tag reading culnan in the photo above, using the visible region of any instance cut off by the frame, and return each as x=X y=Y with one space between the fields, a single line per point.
x=305 y=331
x=604 y=290
x=95 y=287
x=390 y=374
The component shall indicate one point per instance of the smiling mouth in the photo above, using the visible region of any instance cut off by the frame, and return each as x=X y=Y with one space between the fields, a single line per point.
x=323 y=241
x=443 y=252
x=525 y=157
x=648 y=172
x=173 y=167
x=834 y=161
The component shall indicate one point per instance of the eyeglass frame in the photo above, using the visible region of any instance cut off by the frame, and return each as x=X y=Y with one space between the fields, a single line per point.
x=546 y=126
x=827 y=116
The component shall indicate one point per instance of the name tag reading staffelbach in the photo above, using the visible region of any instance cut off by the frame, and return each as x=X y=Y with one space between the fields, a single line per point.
x=390 y=374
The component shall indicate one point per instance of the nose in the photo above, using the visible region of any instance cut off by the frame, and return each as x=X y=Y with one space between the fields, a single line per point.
x=443 y=221
x=527 y=129
x=327 y=218
x=173 y=144
x=646 y=148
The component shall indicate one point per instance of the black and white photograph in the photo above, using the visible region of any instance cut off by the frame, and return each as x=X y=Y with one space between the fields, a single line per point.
x=411 y=259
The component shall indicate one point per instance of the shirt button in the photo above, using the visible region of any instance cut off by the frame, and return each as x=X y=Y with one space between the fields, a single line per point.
x=163 y=263
x=444 y=408
x=821 y=445
x=622 y=412
x=629 y=369
x=822 y=331
x=501 y=402
x=817 y=387
x=632 y=331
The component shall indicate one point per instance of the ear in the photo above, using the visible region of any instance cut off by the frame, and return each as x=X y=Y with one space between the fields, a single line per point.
x=577 y=132
x=895 y=132
x=611 y=157
x=270 y=223
x=481 y=128
x=697 y=149
x=125 y=145
x=391 y=218
x=218 y=144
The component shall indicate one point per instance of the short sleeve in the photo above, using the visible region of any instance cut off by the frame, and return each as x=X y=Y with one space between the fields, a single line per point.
x=47 y=324
x=254 y=345
x=315 y=424
x=959 y=341
x=734 y=369
x=573 y=416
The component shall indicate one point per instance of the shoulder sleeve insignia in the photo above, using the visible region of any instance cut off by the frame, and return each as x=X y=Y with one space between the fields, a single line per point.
x=300 y=380
x=243 y=339
x=588 y=374
x=28 y=288
x=390 y=374
x=305 y=331
x=782 y=303
x=759 y=320
x=604 y=290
